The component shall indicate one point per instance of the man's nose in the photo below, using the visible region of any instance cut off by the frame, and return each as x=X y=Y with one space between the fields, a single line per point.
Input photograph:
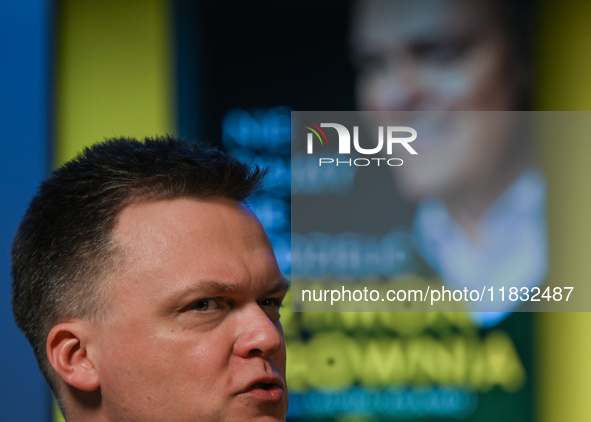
x=257 y=334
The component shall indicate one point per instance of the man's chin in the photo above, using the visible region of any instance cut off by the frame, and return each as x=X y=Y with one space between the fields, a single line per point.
x=254 y=410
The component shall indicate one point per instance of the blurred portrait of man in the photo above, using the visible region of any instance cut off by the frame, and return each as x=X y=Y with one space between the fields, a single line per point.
x=149 y=291
x=463 y=68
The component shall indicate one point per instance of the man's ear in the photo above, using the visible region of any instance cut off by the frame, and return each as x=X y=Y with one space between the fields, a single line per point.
x=67 y=351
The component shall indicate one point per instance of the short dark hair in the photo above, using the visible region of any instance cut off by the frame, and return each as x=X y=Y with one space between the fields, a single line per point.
x=64 y=244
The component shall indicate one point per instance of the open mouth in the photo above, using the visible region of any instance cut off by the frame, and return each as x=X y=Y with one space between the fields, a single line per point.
x=263 y=386
x=271 y=391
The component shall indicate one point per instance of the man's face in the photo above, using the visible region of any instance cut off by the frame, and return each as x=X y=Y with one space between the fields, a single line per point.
x=193 y=331
x=444 y=55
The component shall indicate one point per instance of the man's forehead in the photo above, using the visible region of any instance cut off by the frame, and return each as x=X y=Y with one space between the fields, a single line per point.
x=179 y=209
x=189 y=245
x=164 y=223
x=418 y=20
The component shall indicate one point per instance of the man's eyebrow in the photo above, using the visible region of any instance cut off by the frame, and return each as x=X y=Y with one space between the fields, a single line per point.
x=280 y=285
x=204 y=287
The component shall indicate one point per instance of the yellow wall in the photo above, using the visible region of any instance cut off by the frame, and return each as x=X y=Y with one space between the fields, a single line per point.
x=564 y=83
x=564 y=58
x=114 y=72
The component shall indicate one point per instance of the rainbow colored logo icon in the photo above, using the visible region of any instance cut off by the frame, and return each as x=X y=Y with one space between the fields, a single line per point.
x=316 y=132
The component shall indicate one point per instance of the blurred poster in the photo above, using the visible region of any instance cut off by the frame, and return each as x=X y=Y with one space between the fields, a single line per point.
x=431 y=188
x=404 y=315
x=465 y=213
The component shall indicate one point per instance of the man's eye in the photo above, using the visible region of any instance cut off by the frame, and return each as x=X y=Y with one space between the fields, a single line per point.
x=442 y=53
x=271 y=308
x=371 y=63
x=204 y=305
x=271 y=302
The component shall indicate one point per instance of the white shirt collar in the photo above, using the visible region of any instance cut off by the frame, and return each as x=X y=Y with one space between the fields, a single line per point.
x=513 y=252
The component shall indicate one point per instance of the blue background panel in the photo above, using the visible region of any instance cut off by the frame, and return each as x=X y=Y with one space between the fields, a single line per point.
x=25 y=72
